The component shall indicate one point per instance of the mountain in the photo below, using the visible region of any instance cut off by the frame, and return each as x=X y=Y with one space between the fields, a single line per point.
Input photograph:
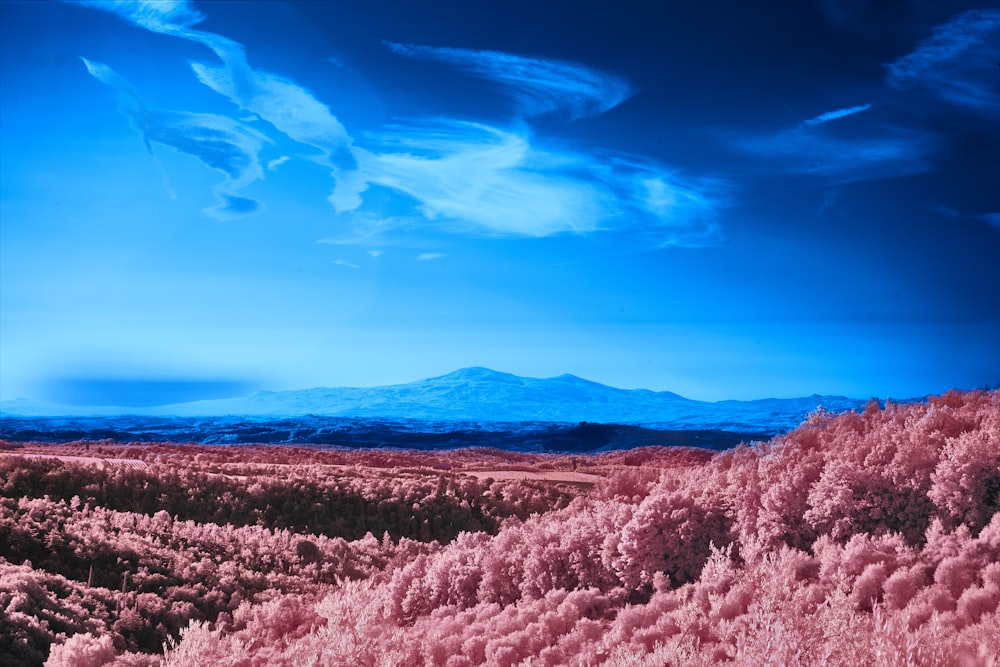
x=484 y=395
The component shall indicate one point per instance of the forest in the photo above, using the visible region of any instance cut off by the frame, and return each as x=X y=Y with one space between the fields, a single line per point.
x=868 y=538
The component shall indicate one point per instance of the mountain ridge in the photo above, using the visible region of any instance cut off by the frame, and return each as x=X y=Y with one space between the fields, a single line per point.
x=485 y=395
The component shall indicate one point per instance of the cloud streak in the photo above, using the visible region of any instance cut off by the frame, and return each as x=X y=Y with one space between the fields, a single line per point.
x=958 y=62
x=471 y=178
x=273 y=165
x=287 y=106
x=837 y=114
x=108 y=76
x=219 y=142
x=539 y=86
x=887 y=152
x=664 y=207
x=476 y=178
x=480 y=179
x=156 y=15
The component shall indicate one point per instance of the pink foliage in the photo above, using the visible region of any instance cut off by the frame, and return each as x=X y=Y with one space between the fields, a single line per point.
x=82 y=650
x=870 y=538
x=966 y=480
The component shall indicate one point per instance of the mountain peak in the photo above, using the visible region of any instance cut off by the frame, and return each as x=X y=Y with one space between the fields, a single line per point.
x=576 y=379
x=476 y=373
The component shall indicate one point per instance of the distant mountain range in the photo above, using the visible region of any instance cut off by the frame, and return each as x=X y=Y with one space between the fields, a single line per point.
x=486 y=396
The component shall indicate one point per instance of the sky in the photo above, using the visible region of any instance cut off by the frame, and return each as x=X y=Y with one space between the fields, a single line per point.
x=723 y=199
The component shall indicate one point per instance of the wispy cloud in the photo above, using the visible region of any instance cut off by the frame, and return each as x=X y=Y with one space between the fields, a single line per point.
x=429 y=256
x=151 y=14
x=991 y=218
x=539 y=86
x=290 y=108
x=277 y=162
x=108 y=76
x=946 y=211
x=345 y=263
x=884 y=151
x=221 y=143
x=475 y=178
x=231 y=206
x=958 y=62
x=662 y=206
x=287 y=106
x=830 y=200
x=369 y=229
x=955 y=215
x=839 y=113
x=455 y=177
x=482 y=179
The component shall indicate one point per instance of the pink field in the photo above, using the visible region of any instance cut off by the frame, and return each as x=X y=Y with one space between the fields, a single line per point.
x=82 y=460
x=867 y=539
x=581 y=478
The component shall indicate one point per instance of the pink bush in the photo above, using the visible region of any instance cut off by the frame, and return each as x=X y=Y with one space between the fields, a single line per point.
x=82 y=650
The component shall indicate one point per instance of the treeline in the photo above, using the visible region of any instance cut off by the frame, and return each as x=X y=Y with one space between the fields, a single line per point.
x=337 y=503
x=139 y=579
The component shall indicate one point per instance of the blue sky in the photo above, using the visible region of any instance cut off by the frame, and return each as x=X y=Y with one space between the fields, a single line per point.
x=725 y=200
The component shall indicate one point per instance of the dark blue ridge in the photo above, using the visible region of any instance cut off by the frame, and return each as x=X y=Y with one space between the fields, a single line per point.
x=368 y=433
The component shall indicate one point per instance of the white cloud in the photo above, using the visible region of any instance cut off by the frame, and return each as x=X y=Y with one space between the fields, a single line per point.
x=140 y=116
x=428 y=256
x=539 y=86
x=290 y=108
x=471 y=178
x=153 y=15
x=287 y=106
x=345 y=263
x=455 y=177
x=364 y=228
x=230 y=206
x=219 y=142
x=480 y=178
x=958 y=62
x=662 y=206
x=277 y=162
x=839 y=113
